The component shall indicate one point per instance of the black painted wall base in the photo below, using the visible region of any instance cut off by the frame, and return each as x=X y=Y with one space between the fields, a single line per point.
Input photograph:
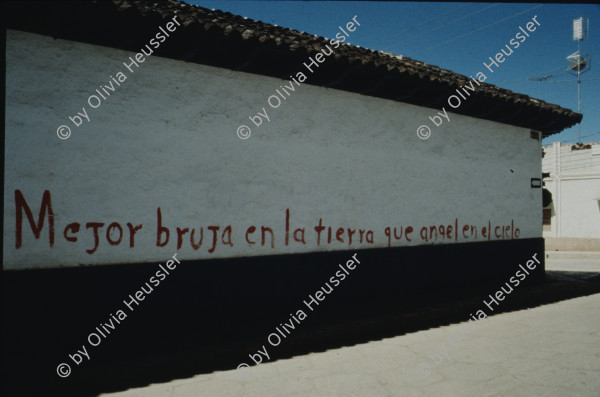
x=209 y=315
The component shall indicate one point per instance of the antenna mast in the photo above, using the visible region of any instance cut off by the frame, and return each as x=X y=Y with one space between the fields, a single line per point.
x=577 y=61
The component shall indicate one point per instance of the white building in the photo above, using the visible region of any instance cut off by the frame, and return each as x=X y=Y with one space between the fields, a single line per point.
x=333 y=163
x=155 y=166
x=572 y=175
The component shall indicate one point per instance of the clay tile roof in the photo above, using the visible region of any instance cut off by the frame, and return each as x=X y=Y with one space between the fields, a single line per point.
x=226 y=40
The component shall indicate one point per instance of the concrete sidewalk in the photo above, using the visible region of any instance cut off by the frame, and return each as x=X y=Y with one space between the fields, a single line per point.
x=552 y=350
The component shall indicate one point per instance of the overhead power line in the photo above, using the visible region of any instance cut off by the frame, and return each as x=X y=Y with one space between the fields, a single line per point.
x=567 y=81
x=478 y=30
x=421 y=24
x=585 y=136
x=440 y=27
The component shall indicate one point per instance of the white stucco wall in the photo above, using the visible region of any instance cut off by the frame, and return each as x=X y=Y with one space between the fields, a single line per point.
x=167 y=138
x=575 y=186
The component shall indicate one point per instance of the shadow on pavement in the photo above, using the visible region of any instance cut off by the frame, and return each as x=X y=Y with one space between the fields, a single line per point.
x=161 y=352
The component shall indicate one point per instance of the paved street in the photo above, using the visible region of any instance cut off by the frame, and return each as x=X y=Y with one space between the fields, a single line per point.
x=573 y=261
x=549 y=350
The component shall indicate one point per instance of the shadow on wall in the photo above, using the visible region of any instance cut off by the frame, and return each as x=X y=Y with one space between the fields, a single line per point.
x=210 y=315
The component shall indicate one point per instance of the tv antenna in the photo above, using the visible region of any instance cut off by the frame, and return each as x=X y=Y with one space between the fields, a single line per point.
x=576 y=64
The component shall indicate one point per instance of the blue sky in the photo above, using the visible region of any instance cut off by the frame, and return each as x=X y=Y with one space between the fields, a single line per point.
x=430 y=32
